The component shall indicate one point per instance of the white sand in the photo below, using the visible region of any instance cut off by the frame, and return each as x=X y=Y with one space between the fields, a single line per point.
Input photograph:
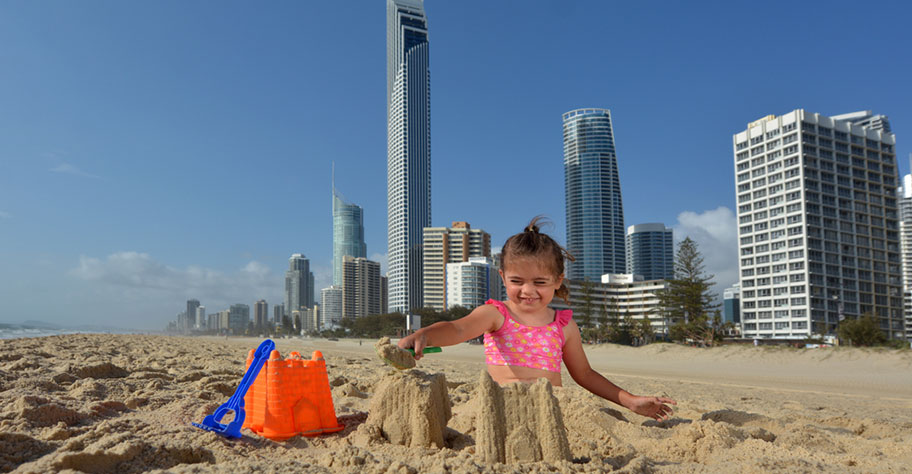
x=106 y=403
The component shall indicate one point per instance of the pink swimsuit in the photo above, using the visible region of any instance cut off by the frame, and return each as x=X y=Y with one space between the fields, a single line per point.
x=536 y=347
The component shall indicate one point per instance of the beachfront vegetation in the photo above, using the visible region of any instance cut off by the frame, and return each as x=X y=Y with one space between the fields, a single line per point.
x=393 y=324
x=862 y=331
x=688 y=305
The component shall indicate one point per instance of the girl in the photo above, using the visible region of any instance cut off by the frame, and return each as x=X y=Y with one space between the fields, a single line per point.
x=524 y=339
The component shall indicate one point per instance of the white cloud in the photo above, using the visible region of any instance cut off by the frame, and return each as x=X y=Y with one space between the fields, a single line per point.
x=716 y=234
x=67 y=168
x=135 y=279
x=5 y=215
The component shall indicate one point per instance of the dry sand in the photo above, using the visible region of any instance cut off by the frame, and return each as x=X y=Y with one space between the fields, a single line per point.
x=106 y=403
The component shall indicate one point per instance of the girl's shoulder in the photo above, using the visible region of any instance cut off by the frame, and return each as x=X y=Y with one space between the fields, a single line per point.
x=563 y=317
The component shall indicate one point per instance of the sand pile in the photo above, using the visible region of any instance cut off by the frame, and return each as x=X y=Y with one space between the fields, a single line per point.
x=519 y=423
x=393 y=355
x=103 y=403
x=410 y=408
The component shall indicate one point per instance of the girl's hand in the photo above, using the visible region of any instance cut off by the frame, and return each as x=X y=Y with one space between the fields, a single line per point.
x=652 y=407
x=416 y=340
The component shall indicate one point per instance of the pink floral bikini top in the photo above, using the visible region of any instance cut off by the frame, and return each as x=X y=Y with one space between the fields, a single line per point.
x=536 y=347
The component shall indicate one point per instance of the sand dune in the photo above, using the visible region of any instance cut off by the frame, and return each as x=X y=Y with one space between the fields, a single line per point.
x=111 y=403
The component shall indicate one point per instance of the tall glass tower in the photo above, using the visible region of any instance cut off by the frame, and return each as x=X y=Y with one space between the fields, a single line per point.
x=595 y=215
x=650 y=251
x=408 y=101
x=299 y=284
x=348 y=233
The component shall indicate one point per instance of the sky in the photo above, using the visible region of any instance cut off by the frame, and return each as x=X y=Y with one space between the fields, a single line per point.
x=153 y=152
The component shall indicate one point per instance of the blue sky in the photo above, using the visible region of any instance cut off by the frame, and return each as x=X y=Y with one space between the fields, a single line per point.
x=158 y=151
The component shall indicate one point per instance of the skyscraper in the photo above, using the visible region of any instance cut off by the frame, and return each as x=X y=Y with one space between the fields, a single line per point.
x=361 y=289
x=278 y=312
x=260 y=314
x=299 y=284
x=190 y=318
x=595 y=215
x=408 y=101
x=904 y=194
x=443 y=245
x=650 y=251
x=469 y=284
x=348 y=234
x=331 y=302
x=818 y=225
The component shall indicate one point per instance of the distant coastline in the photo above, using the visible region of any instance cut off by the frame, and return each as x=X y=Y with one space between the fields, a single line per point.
x=40 y=329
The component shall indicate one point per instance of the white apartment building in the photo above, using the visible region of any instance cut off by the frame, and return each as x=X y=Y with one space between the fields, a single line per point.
x=470 y=284
x=443 y=245
x=331 y=297
x=818 y=225
x=904 y=194
x=623 y=295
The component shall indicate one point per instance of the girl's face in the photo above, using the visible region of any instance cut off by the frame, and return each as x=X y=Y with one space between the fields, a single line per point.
x=530 y=285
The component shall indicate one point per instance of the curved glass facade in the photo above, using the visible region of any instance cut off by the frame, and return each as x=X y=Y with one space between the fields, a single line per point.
x=650 y=251
x=595 y=214
x=348 y=234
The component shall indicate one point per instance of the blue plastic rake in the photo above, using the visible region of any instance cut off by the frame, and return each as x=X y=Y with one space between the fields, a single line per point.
x=236 y=402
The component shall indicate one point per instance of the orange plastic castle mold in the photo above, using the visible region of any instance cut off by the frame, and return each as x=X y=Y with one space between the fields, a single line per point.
x=290 y=397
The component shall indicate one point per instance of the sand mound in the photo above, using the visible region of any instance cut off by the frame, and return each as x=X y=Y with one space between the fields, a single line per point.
x=393 y=355
x=39 y=412
x=410 y=408
x=519 y=423
x=16 y=449
x=105 y=370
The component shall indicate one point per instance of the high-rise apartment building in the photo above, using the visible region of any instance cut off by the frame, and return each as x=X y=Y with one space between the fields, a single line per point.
x=278 y=312
x=348 y=234
x=189 y=321
x=238 y=318
x=299 y=284
x=595 y=214
x=408 y=105
x=331 y=302
x=867 y=119
x=818 y=225
x=201 y=321
x=731 y=305
x=261 y=314
x=443 y=245
x=904 y=194
x=469 y=284
x=361 y=290
x=650 y=251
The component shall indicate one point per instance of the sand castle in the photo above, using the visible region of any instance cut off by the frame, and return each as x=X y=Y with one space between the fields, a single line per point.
x=411 y=408
x=519 y=423
x=290 y=397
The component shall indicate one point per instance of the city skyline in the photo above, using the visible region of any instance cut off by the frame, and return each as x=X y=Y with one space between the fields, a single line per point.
x=228 y=123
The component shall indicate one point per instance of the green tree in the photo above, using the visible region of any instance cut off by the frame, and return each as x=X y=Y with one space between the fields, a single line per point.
x=587 y=309
x=287 y=325
x=688 y=301
x=862 y=331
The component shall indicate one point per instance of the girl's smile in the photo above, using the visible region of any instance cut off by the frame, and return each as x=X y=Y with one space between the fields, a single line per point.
x=530 y=285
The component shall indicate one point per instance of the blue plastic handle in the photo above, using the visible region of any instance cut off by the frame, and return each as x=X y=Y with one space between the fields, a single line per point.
x=236 y=402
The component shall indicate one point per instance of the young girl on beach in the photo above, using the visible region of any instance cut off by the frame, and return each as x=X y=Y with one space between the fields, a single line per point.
x=524 y=339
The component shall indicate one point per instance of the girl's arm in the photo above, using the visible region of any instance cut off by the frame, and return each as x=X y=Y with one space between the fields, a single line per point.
x=579 y=368
x=482 y=319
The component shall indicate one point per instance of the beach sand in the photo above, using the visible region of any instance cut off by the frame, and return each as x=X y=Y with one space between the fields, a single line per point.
x=119 y=403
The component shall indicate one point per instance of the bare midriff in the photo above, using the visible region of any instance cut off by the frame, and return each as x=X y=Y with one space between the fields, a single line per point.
x=504 y=374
